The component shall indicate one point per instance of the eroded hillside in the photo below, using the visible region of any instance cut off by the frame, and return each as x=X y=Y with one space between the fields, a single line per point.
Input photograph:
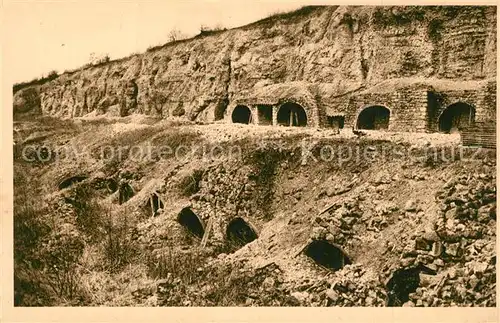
x=189 y=215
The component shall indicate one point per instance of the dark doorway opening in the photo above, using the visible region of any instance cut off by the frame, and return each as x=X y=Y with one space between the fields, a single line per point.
x=292 y=114
x=336 y=122
x=191 y=222
x=70 y=181
x=374 y=118
x=265 y=115
x=241 y=114
x=403 y=282
x=153 y=204
x=239 y=233
x=456 y=117
x=327 y=255
x=126 y=192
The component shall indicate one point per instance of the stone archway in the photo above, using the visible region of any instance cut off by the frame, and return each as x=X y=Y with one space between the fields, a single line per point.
x=327 y=254
x=375 y=117
x=241 y=114
x=292 y=114
x=456 y=117
x=191 y=222
x=239 y=232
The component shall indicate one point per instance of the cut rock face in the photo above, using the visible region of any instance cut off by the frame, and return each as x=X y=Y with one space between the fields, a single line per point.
x=239 y=233
x=327 y=255
x=191 y=222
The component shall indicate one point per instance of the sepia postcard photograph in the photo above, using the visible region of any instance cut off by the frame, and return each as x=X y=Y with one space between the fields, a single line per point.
x=250 y=154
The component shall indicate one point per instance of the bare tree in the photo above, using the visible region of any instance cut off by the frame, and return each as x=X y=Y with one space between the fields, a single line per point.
x=175 y=35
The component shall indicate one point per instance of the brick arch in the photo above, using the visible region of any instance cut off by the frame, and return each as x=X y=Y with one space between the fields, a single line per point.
x=241 y=114
x=373 y=105
x=459 y=109
x=240 y=103
x=292 y=114
x=310 y=109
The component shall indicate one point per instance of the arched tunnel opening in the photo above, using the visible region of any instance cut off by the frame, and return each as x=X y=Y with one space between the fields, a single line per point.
x=239 y=233
x=191 y=222
x=126 y=192
x=374 y=118
x=456 y=117
x=67 y=182
x=292 y=114
x=153 y=204
x=241 y=114
x=403 y=282
x=327 y=255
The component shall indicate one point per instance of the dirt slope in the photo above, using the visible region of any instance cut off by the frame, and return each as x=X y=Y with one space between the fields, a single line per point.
x=388 y=201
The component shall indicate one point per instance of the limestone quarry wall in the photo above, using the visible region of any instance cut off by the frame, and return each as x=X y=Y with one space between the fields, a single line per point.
x=330 y=54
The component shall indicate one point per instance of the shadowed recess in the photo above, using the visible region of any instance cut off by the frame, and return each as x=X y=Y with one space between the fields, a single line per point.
x=265 y=115
x=374 y=118
x=220 y=109
x=111 y=185
x=67 y=182
x=241 y=114
x=191 y=222
x=126 y=193
x=403 y=282
x=239 y=232
x=456 y=117
x=153 y=204
x=292 y=114
x=336 y=122
x=327 y=255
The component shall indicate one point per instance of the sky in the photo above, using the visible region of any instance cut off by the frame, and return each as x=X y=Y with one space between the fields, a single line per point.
x=55 y=35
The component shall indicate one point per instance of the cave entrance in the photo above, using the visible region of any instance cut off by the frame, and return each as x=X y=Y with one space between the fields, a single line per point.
x=456 y=117
x=374 y=118
x=241 y=114
x=327 y=254
x=153 y=204
x=403 y=282
x=292 y=114
x=239 y=233
x=67 y=182
x=265 y=114
x=125 y=193
x=191 y=222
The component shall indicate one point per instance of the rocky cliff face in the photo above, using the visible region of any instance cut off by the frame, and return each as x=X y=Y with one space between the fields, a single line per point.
x=330 y=50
